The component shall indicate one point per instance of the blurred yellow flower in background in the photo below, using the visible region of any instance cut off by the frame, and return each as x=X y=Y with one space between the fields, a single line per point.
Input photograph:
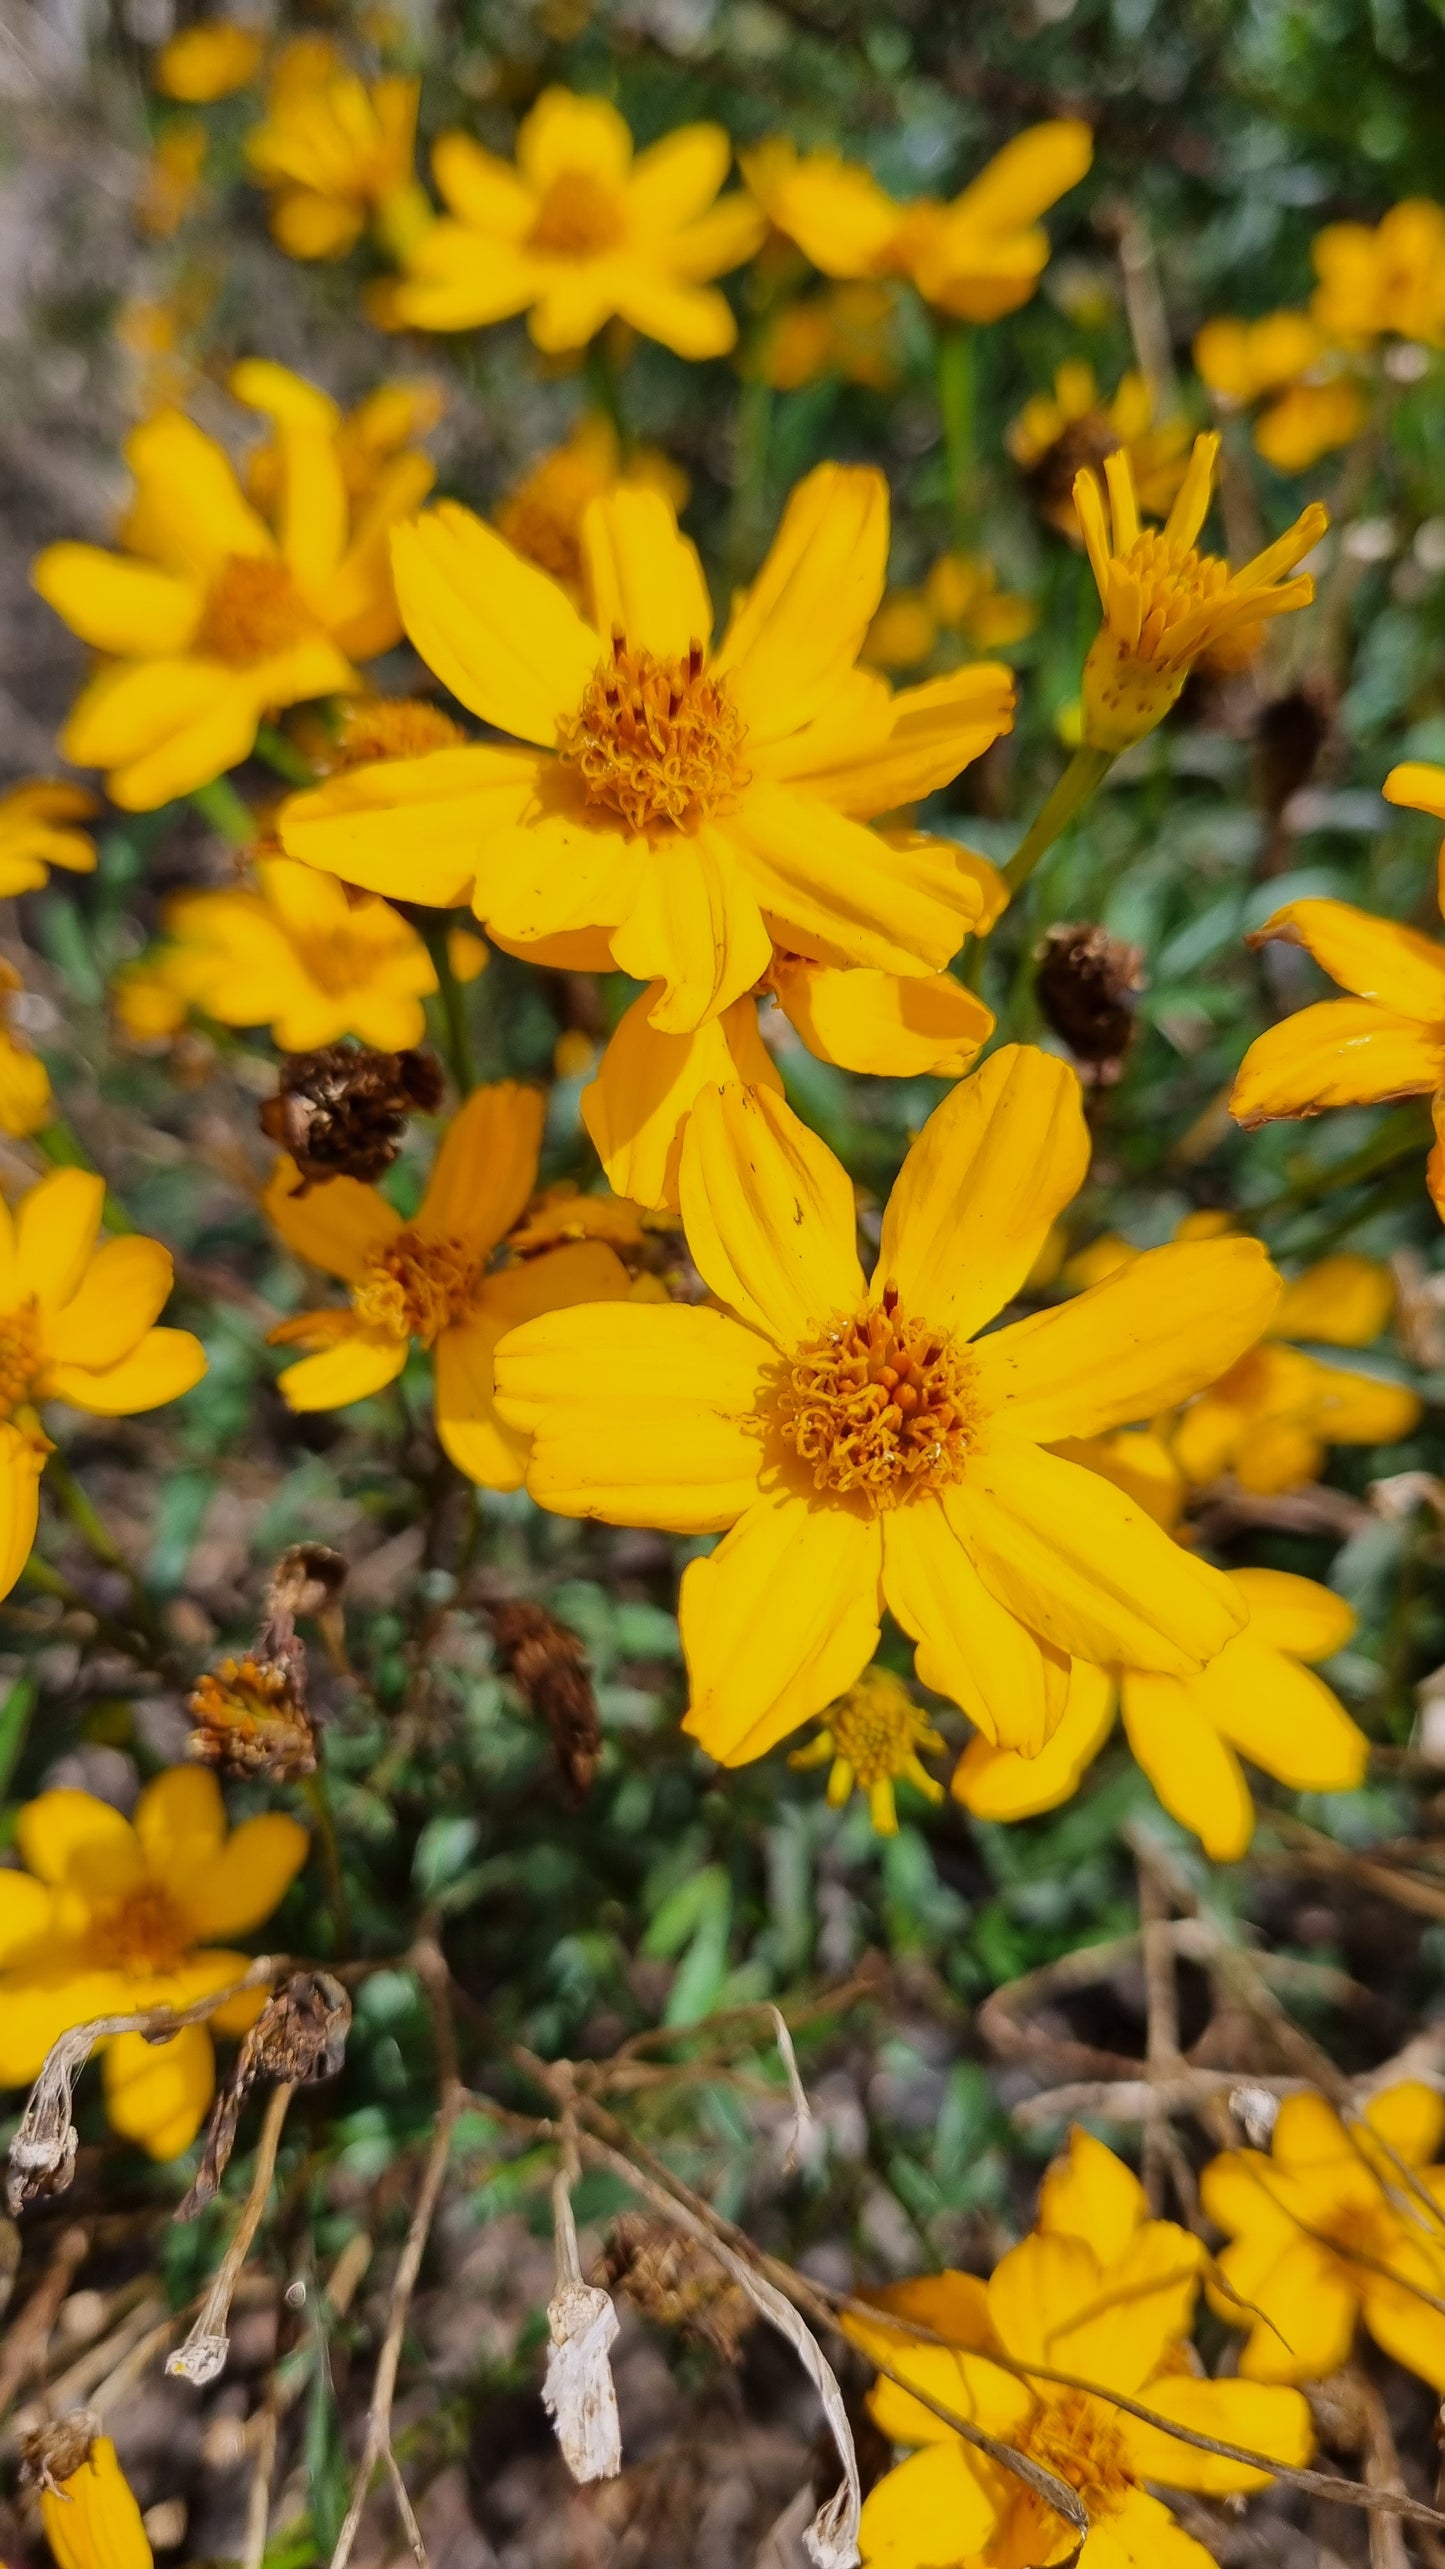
x=111 y=1916
x=578 y=232
x=1389 y=277
x=298 y=954
x=870 y=1741
x=960 y=604
x=207 y=619
x=849 y=330
x=374 y=444
x=861 y=1449
x=1245 y=362
x=25 y=1099
x=541 y=516
x=170 y=186
x=89 y=2511
x=208 y=61
x=37 y=830
x=1259 y=1699
x=977 y=258
x=1057 y=433
x=335 y=152
x=428 y=1279
x=1165 y=604
x=77 y=1321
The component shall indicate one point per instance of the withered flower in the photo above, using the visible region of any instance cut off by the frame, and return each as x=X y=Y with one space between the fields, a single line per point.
x=673 y=2280
x=548 y=1664
x=251 y=1717
x=298 y=2038
x=1086 y=985
x=343 y=1111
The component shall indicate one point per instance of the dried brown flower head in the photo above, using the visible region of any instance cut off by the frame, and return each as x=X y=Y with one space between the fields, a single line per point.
x=547 y=1662
x=299 y=2037
x=251 y=1717
x=1086 y=985
x=53 y=2452
x=673 y=2280
x=307 y=1580
x=343 y=1111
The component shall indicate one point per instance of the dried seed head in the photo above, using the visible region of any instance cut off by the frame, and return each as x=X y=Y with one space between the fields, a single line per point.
x=673 y=2280
x=1086 y=985
x=343 y=1111
x=547 y=1662
x=299 y=2037
x=251 y=1717
x=54 y=2452
x=307 y=1580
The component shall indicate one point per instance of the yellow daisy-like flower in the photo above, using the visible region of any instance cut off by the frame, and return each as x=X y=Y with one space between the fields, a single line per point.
x=428 y=1280
x=335 y=153
x=1057 y=433
x=90 y=2515
x=37 y=830
x=1258 y=1699
x=1244 y=362
x=1164 y=602
x=207 y=618
x=25 y=1099
x=864 y=1444
x=208 y=62
x=1099 y=2290
x=977 y=258
x=1383 y=279
x=374 y=444
x=681 y=812
x=1388 y=1039
x=960 y=602
x=541 y=516
x=578 y=231
x=1330 y=2227
x=112 y=1916
x=870 y=1739
x=298 y=954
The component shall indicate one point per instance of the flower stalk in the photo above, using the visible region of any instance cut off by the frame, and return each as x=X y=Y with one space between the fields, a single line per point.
x=1077 y=786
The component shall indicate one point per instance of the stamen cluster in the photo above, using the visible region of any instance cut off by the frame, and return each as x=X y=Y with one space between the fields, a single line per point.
x=880 y=1404
x=577 y=217
x=252 y=611
x=144 y=1930
x=1173 y=581
x=417 y=1287
x=1076 y=2439
x=20 y=1354
x=656 y=741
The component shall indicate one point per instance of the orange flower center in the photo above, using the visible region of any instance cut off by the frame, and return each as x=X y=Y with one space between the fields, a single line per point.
x=416 y=1288
x=1174 y=580
x=20 y=1353
x=1362 y=2230
x=881 y=1405
x=655 y=740
x=374 y=727
x=578 y=217
x=252 y=611
x=143 y=1930
x=1076 y=2438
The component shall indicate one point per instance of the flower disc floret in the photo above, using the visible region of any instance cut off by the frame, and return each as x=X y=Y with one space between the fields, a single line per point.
x=253 y=610
x=655 y=740
x=416 y=1287
x=578 y=217
x=1076 y=2439
x=881 y=1405
x=144 y=1930
x=21 y=1354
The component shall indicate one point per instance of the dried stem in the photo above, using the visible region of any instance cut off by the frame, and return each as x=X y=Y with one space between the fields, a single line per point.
x=203 y=2353
x=25 y=2343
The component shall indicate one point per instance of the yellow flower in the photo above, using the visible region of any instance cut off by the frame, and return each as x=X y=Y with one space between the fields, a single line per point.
x=1333 y=2226
x=1244 y=362
x=1164 y=602
x=681 y=813
x=335 y=153
x=90 y=2516
x=870 y=1738
x=541 y=517
x=25 y=1098
x=1099 y=2290
x=578 y=231
x=110 y=1917
x=208 y=62
x=1057 y=433
x=861 y=1448
x=207 y=619
x=977 y=258
x=37 y=830
x=428 y=1279
x=1256 y=1700
x=1389 y=279
x=374 y=444
x=170 y=186
x=1388 y=1039
x=961 y=599
x=298 y=954
x=850 y=330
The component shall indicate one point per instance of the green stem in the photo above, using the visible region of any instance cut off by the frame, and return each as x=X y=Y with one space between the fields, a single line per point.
x=1382 y=1151
x=318 y=1802
x=957 y=403
x=750 y=490
x=282 y=757
x=93 y=1531
x=221 y=805
x=603 y=388
x=454 y=1012
x=64 y=1149
x=1079 y=782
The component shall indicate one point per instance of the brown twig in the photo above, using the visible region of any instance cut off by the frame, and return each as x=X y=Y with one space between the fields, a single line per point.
x=23 y=2350
x=1312 y=1847
x=200 y=2358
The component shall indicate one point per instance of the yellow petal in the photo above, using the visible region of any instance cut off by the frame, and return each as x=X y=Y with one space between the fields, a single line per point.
x=1281 y=1716
x=486 y=192
x=166 y=1364
x=413 y=827
x=1028 y=175
x=844 y=894
x=188 y=513
x=1307 y=2307
x=470 y=1430
x=1268 y=2420
x=986 y=1179
x=70 y=1838
x=880 y=1024
x=1410 y=2119
x=163 y=727
x=696 y=929
x=486 y=1167
x=1192 y=1769
x=250 y=1876
x=797 y=632
x=1342 y=1052
x=640 y=1415
x=157 y=2093
x=122 y=1293
x=777 y=1623
x=34 y=2010
x=336 y=1226
x=565 y=135
x=26 y=1911
x=934 y=732
x=1294 y=1614
x=20 y=1467
x=180 y=1820
x=361 y=1363
x=928 y=2511
x=498 y=632
x=636 y=1108
x=118 y=605
x=675 y=180
x=1052 y=2303
x=1149 y=1335
x=769 y=1214
x=55 y=1227
x=1350 y=1408
x=1088 y=2194
x=1000 y=1784
x=92 y=2516
x=695 y=321
x=644 y=577
x=1343 y=1301
x=1076 y=1560
x=1375 y=958
x=968 y=1645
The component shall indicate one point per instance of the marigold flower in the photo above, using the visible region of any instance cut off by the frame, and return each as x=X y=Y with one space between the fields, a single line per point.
x=208 y=620
x=1056 y=434
x=1164 y=602
x=541 y=516
x=578 y=231
x=90 y=2514
x=1286 y=361
x=112 y=1916
x=1331 y=2226
x=681 y=813
x=1383 y=279
x=428 y=1279
x=335 y=153
x=864 y=1446
x=299 y=954
x=1388 y=1039
x=37 y=830
x=977 y=258
x=208 y=62
x=1258 y=1699
x=1099 y=2290
x=870 y=1739
x=960 y=600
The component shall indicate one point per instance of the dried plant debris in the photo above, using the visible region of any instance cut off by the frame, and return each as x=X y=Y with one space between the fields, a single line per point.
x=343 y=1111
x=298 y=2038
x=673 y=2280
x=548 y=1664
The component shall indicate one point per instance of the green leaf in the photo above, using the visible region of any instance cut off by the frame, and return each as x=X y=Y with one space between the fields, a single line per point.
x=15 y=1715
